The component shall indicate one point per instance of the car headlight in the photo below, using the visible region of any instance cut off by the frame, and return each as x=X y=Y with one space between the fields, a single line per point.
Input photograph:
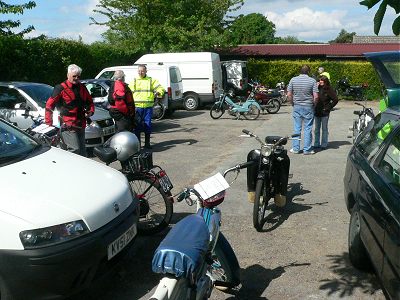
x=52 y=235
x=94 y=124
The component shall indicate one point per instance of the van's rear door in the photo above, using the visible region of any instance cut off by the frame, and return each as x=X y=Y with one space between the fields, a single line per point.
x=175 y=90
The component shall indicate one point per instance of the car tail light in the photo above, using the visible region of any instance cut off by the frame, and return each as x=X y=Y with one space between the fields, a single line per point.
x=169 y=92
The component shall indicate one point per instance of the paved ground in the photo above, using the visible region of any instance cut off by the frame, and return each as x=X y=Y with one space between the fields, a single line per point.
x=303 y=256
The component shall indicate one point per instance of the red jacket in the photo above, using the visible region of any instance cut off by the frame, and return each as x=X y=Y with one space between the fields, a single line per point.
x=122 y=99
x=72 y=101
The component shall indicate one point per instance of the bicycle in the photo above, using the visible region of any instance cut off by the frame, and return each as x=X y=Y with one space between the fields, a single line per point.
x=150 y=183
x=249 y=109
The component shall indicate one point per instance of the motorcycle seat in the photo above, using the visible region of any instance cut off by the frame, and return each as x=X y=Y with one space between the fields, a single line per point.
x=272 y=139
x=183 y=250
x=358 y=112
x=105 y=154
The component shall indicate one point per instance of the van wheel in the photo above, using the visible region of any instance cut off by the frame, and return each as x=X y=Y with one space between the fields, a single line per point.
x=191 y=102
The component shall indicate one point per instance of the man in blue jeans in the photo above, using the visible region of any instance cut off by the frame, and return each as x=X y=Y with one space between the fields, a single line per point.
x=303 y=95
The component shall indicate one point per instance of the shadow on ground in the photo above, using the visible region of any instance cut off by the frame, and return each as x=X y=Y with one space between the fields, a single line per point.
x=349 y=279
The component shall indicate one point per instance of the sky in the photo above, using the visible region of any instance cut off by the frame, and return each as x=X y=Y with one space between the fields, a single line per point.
x=308 y=20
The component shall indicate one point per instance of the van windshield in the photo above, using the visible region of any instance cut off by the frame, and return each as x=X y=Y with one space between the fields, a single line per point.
x=107 y=74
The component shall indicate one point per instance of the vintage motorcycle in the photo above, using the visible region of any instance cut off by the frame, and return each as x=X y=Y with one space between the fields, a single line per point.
x=195 y=256
x=357 y=92
x=267 y=98
x=267 y=176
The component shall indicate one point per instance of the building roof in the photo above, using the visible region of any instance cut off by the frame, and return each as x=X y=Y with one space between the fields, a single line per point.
x=311 y=50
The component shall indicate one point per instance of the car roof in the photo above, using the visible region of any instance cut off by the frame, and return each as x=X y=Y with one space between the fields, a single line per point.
x=395 y=110
x=380 y=60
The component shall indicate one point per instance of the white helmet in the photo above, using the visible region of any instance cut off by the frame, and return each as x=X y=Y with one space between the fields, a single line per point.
x=125 y=144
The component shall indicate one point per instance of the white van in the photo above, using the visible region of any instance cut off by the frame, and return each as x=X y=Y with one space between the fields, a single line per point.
x=168 y=76
x=235 y=76
x=201 y=75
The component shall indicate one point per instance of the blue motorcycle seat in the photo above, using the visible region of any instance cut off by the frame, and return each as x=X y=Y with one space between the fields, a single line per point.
x=183 y=249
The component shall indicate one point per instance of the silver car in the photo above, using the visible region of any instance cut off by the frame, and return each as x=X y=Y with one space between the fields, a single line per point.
x=17 y=97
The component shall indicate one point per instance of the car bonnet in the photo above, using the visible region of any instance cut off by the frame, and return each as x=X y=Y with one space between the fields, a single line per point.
x=58 y=187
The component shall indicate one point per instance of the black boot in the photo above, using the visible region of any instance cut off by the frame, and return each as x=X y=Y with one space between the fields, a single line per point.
x=147 y=141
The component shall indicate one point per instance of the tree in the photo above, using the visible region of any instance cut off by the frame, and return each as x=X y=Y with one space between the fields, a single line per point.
x=251 y=29
x=288 y=40
x=7 y=26
x=344 y=37
x=165 y=25
x=395 y=4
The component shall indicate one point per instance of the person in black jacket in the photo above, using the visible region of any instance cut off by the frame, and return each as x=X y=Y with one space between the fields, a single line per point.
x=327 y=100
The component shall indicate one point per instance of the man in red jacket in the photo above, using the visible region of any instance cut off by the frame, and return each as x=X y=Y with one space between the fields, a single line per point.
x=122 y=107
x=75 y=104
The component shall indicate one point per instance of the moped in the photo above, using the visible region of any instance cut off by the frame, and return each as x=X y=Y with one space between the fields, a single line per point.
x=267 y=176
x=343 y=88
x=195 y=256
x=364 y=116
x=249 y=109
x=267 y=98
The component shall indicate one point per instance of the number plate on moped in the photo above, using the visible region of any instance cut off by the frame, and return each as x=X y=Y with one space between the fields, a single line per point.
x=165 y=183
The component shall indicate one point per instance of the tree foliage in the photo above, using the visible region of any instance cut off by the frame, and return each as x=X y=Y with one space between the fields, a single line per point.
x=166 y=25
x=344 y=37
x=290 y=39
x=395 y=4
x=7 y=26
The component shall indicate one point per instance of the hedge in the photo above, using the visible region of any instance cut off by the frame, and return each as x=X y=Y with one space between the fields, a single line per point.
x=271 y=72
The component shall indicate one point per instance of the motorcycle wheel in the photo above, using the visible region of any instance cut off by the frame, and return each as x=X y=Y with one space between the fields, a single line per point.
x=156 y=207
x=260 y=205
x=216 y=111
x=273 y=106
x=158 y=111
x=253 y=112
x=225 y=269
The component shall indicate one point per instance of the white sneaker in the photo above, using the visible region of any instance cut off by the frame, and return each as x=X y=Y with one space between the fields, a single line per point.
x=293 y=151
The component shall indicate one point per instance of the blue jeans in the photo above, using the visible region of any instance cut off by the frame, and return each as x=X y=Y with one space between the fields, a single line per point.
x=321 y=121
x=303 y=115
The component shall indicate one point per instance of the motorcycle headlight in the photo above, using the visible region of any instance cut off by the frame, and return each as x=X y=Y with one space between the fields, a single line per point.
x=52 y=235
x=266 y=150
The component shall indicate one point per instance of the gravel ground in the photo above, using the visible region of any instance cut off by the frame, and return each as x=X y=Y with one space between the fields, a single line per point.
x=303 y=256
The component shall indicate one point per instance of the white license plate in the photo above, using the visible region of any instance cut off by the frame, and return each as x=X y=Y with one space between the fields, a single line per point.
x=165 y=183
x=108 y=130
x=120 y=243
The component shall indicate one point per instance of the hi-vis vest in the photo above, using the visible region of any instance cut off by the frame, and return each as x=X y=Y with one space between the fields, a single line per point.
x=143 y=90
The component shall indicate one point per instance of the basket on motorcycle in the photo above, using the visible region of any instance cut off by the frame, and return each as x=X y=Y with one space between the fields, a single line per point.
x=141 y=162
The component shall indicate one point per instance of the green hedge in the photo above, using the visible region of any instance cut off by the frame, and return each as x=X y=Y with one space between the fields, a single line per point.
x=271 y=72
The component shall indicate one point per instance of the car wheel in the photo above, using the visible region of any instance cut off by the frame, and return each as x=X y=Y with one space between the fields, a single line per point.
x=191 y=102
x=357 y=252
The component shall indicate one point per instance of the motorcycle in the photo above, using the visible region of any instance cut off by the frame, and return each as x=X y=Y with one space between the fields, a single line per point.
x=267 y=98
x=364 y=116
x=195 y=256
x=267 y=175
x=281 y=87
x=357 y=92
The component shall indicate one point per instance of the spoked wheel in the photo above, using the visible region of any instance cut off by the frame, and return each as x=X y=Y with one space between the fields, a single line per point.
x=225 y=270
x=155 y=206
x=260 y=205
x=253 y=112
x=158 y=111
x=217 y=111
x=273 y=106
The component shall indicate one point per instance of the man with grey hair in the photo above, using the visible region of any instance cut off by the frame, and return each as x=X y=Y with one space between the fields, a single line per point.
x=74 y=104
x=303 y=95
x=122 y=107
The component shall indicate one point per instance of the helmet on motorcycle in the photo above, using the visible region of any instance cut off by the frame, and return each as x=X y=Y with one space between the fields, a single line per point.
x=125 y=144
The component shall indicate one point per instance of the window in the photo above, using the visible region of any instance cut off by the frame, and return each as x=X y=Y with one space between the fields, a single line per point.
x=175 y=75
x=390 y=164
x=9 y=97
x=107 y=74
x=371 y=140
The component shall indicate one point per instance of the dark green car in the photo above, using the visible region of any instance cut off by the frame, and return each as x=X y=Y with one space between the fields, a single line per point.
x=372 y=184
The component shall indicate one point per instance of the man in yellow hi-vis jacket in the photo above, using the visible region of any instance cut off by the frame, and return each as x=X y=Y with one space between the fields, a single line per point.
x=144 y=89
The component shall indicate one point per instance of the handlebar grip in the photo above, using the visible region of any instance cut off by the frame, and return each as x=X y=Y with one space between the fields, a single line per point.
x=295 y=135
x=181 y=196
x=245 y=131
x=246 y=164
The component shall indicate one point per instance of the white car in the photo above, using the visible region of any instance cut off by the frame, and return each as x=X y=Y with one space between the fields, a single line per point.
x=17 y=96
x=63 y=218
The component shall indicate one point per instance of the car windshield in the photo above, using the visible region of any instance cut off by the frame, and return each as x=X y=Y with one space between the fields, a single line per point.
x=14 y=145
x=38 y=92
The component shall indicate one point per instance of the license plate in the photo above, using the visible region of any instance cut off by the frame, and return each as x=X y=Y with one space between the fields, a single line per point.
x=120 y=243
x=109 y=130
x=165 y=183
